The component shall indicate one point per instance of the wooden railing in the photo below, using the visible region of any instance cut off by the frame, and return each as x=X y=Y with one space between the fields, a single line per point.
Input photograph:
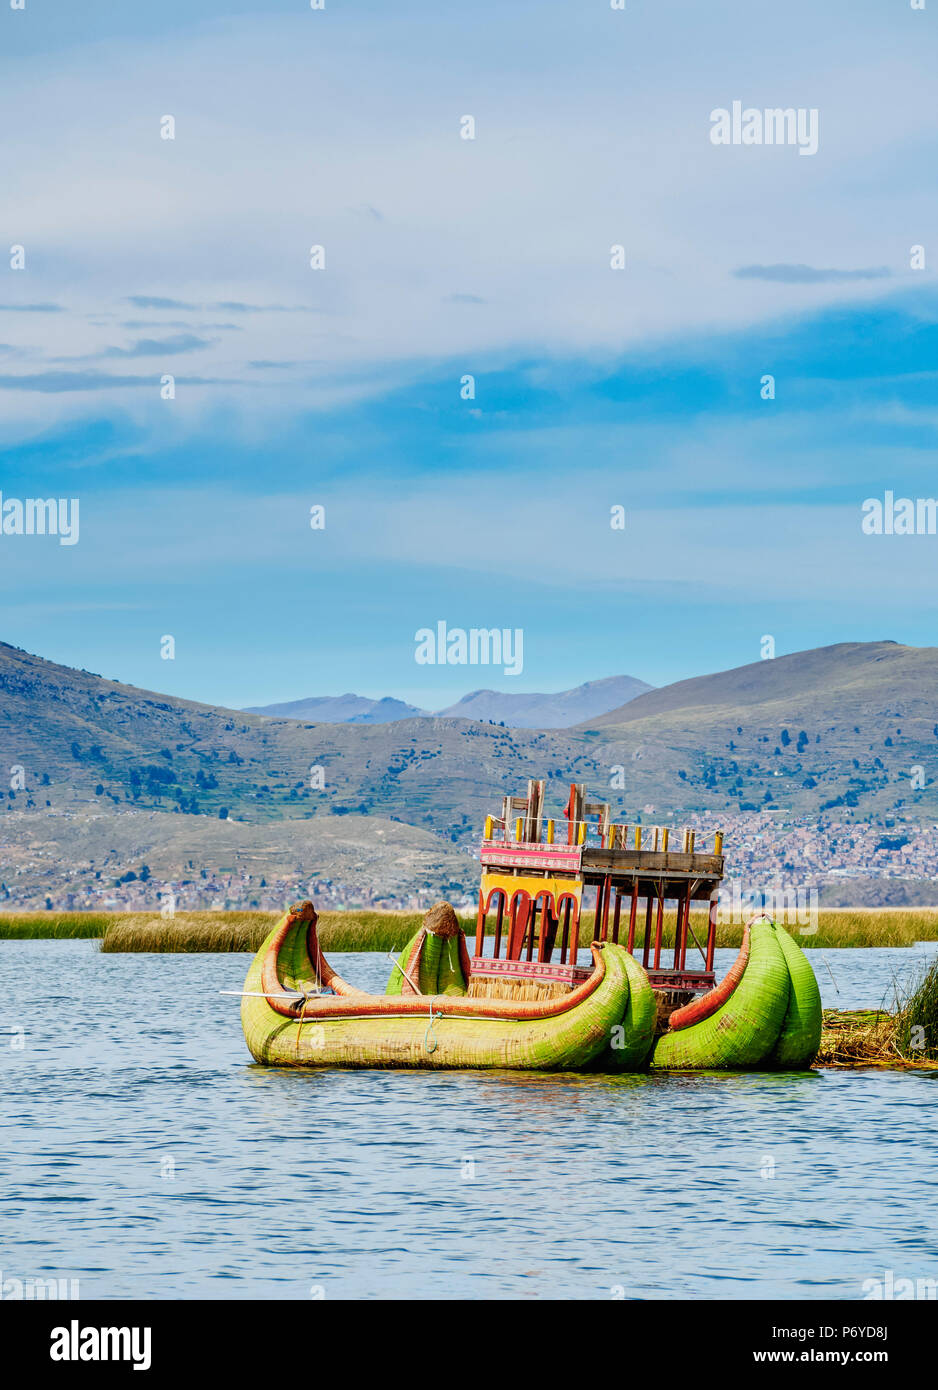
x=605 y=834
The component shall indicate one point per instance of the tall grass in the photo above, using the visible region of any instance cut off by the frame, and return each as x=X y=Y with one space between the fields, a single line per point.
x=245 y=931
x=917 y=1018
x=387 y=931
x=22 y=926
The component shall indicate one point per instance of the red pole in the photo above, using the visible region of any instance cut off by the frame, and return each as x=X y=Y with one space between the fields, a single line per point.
x=565 y=937
x=712 y=930
x=615 y=917
x=607 y=890
x=499 y=915
x=677 y=933
x=480 y=925
x=684 y=926
x=574 y=933
x=649 y=904
x=658 y=929
x=632 y=910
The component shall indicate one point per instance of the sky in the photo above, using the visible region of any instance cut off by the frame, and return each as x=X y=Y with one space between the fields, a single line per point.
x=595 y=388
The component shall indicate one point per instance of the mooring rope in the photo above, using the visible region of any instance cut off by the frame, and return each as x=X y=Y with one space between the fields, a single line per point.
x=302 y=1011
x=430 y=1029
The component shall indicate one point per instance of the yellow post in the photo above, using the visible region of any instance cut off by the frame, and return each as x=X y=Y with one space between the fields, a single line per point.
x=550 y=832
x=518 y=824
x=488 y=827
x=664 y=840
x=581 y=833
x=691 y=837
x=638 y=837
x=718 y=842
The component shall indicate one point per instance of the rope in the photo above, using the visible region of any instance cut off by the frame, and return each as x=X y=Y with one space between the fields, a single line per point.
x=301 y=1012
x=430 y=1030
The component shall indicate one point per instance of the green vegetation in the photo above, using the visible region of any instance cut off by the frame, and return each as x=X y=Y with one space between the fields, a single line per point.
x=907 y=1037
x=916 y=1034
x=32 y=925
x=388 y=931
x=245 y=931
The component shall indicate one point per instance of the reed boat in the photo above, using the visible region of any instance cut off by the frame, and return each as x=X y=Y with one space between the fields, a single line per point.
x=297 y=1011
x=532 y=1002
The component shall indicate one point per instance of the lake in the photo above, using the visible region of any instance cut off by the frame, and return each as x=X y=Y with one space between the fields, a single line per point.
x=145 y=1155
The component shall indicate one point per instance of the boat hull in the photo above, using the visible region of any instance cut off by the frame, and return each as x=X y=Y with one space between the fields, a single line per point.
x=297 y=1012
x=765 y=1020
x=434 y=1031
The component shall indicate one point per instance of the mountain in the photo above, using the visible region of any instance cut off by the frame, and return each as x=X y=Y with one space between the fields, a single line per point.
x=520 y=711
x=853 y=725
x=84 y=740
x=857 y=671
x=844 y=733
x=341 y=709
x=386 y=711
x=558 y=711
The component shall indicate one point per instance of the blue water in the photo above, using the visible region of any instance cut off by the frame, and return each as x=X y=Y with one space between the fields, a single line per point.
x=144 y=1154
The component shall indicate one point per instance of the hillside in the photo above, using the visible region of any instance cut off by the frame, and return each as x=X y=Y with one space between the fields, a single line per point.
x=356 y=860
x=841 y=734
x=853 y=725
x=86 y=742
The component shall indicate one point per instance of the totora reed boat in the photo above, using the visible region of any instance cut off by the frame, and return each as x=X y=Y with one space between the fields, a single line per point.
x=536 y=1004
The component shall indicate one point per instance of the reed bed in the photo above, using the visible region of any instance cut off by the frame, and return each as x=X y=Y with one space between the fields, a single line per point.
x=917 y=1018
x=22 y=926
x=230 y=930
x=907 y=1037
x=245 y=931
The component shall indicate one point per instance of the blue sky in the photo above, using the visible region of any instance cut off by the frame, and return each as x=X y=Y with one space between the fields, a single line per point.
x=594 y=387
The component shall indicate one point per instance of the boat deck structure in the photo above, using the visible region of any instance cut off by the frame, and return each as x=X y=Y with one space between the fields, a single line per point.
x=540 y=873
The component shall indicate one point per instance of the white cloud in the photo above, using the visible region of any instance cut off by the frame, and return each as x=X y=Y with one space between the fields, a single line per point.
x=347 y=135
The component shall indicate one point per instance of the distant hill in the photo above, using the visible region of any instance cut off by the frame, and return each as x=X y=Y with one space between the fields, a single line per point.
x=520 y=711
x=851 y=726
x=847 y=732
x=856 y=670
x=557 y=711
x=341 y=709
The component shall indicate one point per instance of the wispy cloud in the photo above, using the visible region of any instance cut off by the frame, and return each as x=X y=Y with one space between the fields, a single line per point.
x=160 y=347
x=234 y=306
x=32 y=309
x=56 y=382
x=151 y=301
x=808 y=274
